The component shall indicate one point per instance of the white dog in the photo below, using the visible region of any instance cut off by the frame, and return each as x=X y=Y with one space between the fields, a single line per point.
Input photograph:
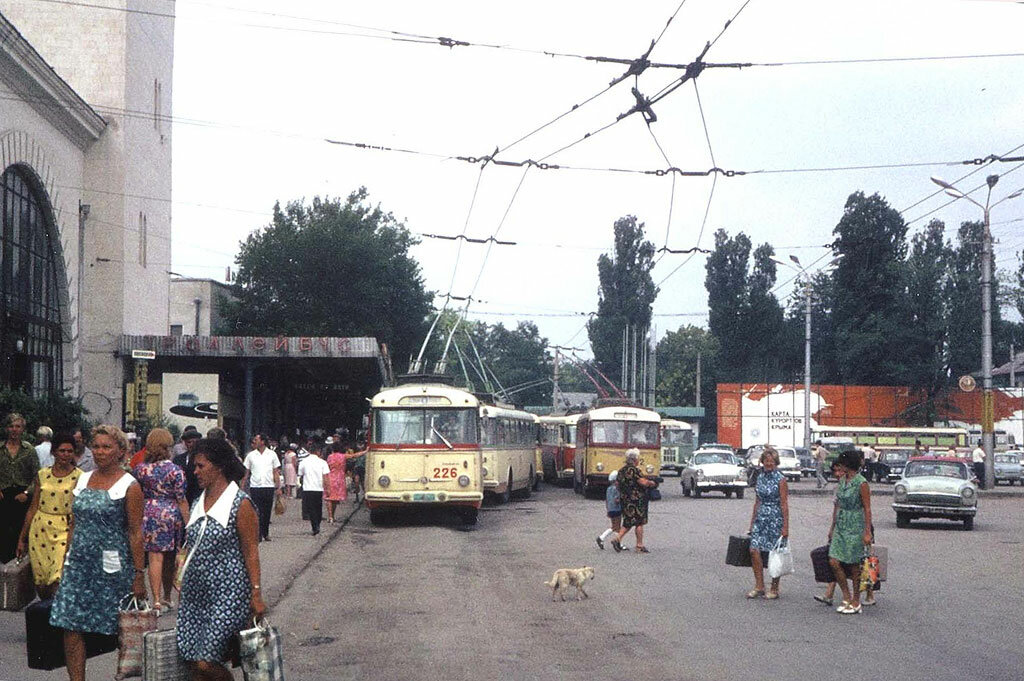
x=566 y=577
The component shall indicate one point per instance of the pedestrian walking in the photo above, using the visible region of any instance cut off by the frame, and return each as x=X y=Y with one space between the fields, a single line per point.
x=83 y=455
x=289 y=464
x=820 y=454
x=357 y=462
x=870 y=462
x=613 y=506
x=850 y=533
x=186 y=462
x=978 y=461
x=105 y=559
x=220 y=586
x=18 y=468
x=633 y=494
x=164 y=513
x=769 y=521
x=314 y=472
x=264 y=480
x=44 y=535
x=43 y=450
x=336 y=487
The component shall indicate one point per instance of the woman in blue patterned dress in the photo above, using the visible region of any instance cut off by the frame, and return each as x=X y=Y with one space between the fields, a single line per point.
x=105 y=557
x=768 y=521
x=220 y=588
x=164 y=514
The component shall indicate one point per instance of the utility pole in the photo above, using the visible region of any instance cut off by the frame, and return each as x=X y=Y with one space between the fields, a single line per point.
x=987 y=408
x=654 y=370
x=1013 y=361
x=807 y=363
x=554 y=389
x=697 y=390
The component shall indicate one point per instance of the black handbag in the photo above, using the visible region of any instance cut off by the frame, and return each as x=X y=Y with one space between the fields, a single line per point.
x=653 y=494
x=44 y=642
x=738 y=552
x=823 y=573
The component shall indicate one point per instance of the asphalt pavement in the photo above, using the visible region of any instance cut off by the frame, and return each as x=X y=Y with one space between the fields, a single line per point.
x=427 y=598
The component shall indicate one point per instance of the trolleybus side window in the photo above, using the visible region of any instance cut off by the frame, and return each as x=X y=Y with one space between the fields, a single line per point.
x=642 y=433
x=608 y=432
x=424 y=426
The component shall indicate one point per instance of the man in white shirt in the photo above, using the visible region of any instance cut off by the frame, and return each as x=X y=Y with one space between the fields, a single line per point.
x=264 y=479
x=978 y=457
x=313 y=470
x=45 y=434
x=870 y=457
x=820 y=454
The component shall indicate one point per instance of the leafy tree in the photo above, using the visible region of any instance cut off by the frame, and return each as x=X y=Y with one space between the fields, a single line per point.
x=869 y=309
x=60 y=412
x=626 y=295
x=519 y=357
x=677 y=367
x=331 y=268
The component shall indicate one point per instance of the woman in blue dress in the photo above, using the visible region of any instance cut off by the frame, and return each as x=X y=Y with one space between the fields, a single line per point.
x=769 y=520
x=104 y=562
x=220 y=587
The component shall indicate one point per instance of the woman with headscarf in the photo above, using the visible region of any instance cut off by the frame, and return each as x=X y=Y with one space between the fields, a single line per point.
x=633 y=493
x=164 y=514
x=769 y=521
x=220 y=585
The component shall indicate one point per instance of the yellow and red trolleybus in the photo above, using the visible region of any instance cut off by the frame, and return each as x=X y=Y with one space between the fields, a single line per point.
x=603 y=436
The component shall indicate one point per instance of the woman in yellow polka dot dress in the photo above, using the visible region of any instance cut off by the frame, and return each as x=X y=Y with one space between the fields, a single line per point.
x=46 y=531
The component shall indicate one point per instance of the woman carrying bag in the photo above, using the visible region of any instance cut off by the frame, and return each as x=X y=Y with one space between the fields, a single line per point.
x=850 y=534
x=769 y=521
x=220 y=587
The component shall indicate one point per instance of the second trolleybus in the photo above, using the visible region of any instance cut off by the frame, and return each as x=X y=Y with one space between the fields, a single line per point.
x=604 y=434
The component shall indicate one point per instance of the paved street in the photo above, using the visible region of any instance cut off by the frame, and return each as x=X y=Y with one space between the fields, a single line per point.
x=427 y=599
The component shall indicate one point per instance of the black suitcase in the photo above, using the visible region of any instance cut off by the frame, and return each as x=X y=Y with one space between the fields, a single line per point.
x=738 y=553
x=822 y=569
x=44 y=642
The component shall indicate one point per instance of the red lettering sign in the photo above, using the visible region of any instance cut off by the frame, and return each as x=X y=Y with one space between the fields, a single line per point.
x=191 y=343
x=305 y=344
x=325 y=343
x=213 y=344
x=281 y=343
x=259 y=344
x=237 y=344
x=168 y=342
x=344 y=345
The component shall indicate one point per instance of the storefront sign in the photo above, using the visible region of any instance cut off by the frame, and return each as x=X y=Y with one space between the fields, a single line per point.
x=252 y=346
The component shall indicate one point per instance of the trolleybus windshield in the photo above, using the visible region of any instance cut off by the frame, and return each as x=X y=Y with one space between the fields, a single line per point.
x=424 y=426
x=615 y=432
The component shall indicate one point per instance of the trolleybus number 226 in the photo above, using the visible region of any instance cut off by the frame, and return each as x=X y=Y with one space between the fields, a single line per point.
x=445 y=473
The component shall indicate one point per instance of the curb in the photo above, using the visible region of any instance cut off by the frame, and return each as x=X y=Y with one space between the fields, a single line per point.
x=293 y=574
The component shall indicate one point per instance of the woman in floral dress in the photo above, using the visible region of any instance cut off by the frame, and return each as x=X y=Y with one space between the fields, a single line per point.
x=220 y=587
x=850 y=534
x=105 y=556
x=48 y=523
x=164 y=514
x=769 y=520
x=633 y=494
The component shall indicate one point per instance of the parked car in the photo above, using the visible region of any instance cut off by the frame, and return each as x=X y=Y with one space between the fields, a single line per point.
x=1008 y=467
x=711 y=470
x=890 y=464
x=718 y=446
x=807 y=467
x=789 y=464
x=936 y=487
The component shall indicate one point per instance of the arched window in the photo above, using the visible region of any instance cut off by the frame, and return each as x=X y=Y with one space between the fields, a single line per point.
x=31 y=339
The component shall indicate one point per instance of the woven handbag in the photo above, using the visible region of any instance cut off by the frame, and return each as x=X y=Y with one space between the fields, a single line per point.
x=134 y=619
x=160 y=658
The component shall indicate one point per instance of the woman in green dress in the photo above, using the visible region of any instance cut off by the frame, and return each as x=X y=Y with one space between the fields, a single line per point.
x=851 y=530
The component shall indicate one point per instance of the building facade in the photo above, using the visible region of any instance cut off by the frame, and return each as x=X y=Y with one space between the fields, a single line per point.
x=85 y=152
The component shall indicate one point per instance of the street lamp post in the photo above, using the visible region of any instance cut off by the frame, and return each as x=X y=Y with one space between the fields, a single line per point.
x=987 y=406
x=807 y=338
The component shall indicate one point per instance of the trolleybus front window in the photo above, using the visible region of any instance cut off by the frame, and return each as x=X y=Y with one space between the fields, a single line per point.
x=609 y=432
x=643 y=433
x=424 y=426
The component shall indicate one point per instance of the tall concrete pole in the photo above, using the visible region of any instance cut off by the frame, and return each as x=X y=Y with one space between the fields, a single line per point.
x=807 y=363
x=987 y=407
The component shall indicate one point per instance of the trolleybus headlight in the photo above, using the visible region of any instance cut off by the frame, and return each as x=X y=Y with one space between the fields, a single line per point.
x=650 y=469
x=485 y=471
x=599 y=466
x=383 y=481
x=463 y=481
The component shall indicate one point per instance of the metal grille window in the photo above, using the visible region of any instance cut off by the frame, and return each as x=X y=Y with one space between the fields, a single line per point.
x=30 y=325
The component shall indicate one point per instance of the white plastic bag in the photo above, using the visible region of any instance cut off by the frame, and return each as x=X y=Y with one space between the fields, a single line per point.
x=780 y=560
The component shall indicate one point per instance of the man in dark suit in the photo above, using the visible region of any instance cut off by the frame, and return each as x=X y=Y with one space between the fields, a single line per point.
x=187 y=463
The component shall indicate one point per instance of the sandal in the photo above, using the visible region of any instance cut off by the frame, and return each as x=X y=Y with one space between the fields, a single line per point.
x=843 y=606
x=772 y=595
x=642 y=549
x=822 y=599
x=850 y=609
x=616 y=545
x=754 y=593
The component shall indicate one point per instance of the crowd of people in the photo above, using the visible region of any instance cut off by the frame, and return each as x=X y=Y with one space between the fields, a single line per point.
x=98 y=520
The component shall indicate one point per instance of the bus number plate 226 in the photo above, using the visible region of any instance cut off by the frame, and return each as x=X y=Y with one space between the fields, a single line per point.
x=445 y=473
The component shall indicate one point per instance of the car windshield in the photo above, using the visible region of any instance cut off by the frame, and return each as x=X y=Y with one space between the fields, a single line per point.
x=424 y=426
x=712 y=457
x=786 y=453
x=895 y=457
x=942 y=469
x=1007 y=458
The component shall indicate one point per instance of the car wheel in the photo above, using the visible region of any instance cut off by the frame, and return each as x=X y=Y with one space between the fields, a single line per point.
x=728 y=494
x=696 y=491
x=686 y=490
x=902 y=520
x=739 y=493
x=968 y=524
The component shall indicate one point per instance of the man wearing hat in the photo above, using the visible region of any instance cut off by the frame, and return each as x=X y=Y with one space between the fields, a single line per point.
x=186 y=461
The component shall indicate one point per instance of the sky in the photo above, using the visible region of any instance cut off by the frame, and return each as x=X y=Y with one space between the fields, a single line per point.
x=257 y=94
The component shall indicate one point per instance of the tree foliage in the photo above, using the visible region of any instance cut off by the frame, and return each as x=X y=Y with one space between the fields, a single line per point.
x=677 y=367
x=331 y=268
x=626 y=295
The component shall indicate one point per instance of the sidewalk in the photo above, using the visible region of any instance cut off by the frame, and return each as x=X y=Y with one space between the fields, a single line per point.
x=290 y=551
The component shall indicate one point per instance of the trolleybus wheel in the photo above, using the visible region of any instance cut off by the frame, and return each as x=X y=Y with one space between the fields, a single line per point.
x=576 y=486
x=507 y=494
x=376 y=516
x=536 y=480
x=469 y=516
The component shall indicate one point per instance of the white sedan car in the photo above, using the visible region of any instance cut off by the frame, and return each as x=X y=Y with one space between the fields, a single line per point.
x=789 y=462
x=713 y=470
